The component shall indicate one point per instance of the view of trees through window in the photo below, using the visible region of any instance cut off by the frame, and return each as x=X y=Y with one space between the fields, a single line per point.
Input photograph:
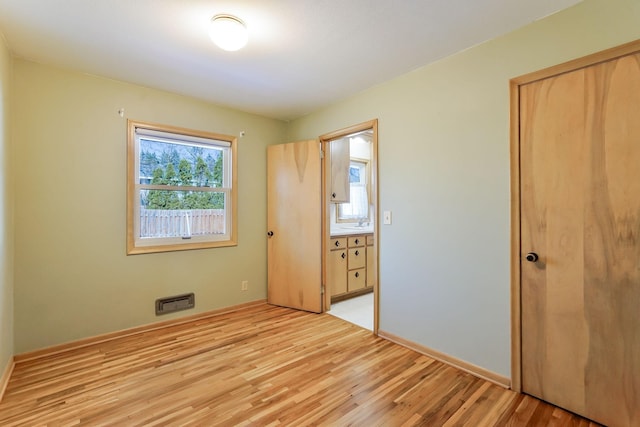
x=180 y=165
x=180 y=189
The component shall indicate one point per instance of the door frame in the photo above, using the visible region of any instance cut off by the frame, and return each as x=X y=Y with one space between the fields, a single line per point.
x=326 y=235
x=514 y=135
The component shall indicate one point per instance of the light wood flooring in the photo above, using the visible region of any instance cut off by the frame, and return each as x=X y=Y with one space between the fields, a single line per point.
x=262 y=366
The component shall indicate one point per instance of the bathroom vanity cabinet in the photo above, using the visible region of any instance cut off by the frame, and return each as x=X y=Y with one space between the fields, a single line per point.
x=350 y=266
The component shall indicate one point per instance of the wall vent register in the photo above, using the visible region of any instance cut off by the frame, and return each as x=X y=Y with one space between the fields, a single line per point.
x=175 y=303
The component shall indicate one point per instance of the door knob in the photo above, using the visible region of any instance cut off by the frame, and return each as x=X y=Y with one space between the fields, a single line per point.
x=270 y=234
x=532 y=257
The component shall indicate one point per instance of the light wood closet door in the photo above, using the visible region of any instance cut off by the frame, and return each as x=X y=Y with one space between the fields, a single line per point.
x=580 y=213
x=294 y=221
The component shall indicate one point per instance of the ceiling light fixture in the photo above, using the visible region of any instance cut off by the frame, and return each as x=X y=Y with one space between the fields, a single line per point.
x=228 y=32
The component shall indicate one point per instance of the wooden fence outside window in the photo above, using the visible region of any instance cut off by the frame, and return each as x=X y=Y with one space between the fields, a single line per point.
x=181 y=222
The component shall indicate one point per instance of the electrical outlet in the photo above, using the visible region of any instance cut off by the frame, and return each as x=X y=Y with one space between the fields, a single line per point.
x=245 y=285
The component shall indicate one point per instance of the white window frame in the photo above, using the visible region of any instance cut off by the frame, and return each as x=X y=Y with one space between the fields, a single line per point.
x=179 y=136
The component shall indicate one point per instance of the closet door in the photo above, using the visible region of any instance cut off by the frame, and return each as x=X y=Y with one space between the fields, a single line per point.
x=580 y=240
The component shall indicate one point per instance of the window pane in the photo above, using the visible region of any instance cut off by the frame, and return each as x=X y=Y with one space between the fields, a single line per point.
x=165 y=213
x=358 y=207
x=165 y=163
x=181 y=191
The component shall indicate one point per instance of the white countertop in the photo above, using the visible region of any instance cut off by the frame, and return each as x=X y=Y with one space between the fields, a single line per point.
x=349 y=231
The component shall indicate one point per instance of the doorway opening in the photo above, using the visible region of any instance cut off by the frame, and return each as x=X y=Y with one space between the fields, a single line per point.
x=350 y=229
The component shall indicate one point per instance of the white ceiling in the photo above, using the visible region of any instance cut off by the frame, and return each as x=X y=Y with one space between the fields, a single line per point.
x=302 y=54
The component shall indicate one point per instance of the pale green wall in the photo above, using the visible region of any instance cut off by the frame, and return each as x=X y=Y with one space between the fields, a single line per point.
x=72 y=277
x=444 y=173
x=6 y=214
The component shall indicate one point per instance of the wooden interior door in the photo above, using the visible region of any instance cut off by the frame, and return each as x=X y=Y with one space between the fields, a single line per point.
x=294 y=221
x=580 y=214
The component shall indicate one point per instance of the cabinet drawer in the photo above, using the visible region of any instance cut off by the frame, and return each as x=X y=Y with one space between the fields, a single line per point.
x=357 y=279
x=338 y=243
x=357 y=258
x=369 y=240
x=356 y=241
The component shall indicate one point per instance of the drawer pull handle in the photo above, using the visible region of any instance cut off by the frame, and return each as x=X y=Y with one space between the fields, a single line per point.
x=357 y=274
x=357 y=241
x=343 y=255
x=333 y=195
x=270 y=234
x=337 y=243
x=357 y=253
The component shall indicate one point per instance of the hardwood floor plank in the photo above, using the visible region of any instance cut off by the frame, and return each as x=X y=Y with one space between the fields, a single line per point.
x=261 y=366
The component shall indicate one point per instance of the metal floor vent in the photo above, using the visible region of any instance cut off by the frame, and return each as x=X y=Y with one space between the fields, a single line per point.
x=175 y=303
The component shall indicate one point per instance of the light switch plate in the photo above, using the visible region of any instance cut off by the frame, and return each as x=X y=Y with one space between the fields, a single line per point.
x=387 y=217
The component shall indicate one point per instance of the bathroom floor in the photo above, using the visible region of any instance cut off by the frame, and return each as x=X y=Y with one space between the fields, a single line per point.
x=358 y=310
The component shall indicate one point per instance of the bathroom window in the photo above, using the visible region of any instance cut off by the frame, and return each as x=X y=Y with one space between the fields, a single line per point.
x=181 y=189
x=357 y=210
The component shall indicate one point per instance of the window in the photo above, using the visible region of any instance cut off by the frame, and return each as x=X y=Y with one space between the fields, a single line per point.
x=181 y=189
x=357 y=210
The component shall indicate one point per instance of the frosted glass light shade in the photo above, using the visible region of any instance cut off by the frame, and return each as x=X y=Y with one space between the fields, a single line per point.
x=228 y=32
